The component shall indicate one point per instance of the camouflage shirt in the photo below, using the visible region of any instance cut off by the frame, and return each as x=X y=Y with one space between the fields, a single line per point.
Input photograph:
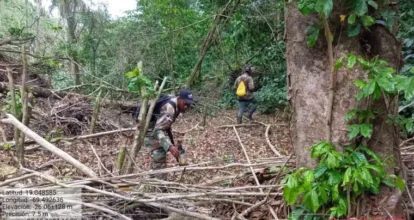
x=248 y=80
x=164 y=121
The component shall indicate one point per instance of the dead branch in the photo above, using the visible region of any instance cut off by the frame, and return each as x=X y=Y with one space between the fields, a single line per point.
x=140 y=134
x=254 y=174
x=238 y=125
x=95 y=113
x=42 y=142
x=42 y=92
x=270 y=144
x=7 y=182
x=13 y=104
x=157 y=205
x=55 y=140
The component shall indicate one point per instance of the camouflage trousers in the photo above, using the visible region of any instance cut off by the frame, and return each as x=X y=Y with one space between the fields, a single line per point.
x=158 y=157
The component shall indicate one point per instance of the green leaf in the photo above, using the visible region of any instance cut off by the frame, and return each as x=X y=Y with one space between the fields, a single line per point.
x=351 y=18
x=351 y=61
x=353 y=30
x=309 y=177
x=312 y=33
x=335 y=192
x=354 y=131
x=412 y=70
x=324 y=6
x=373 y=4
x=388 y=182
x=293 y=181
x=400 y=184
x=367 y=20
x=347 y=176
x=334 y=178
x=331 y=161
x=377 y=168
x=364 y=62
x=366 y=130
x=384 y=71
x=306 y=6
x=320 y=170
x=290 y=195
x=386 y=84
x=314 y=201
x=407 y=86
x=366 y=176
x=350 y=114
x=359 y=83
x=323 y=195
x=360 y=157
x=361 y=7
x=297 y=213
x=338 y=63
x=343 y=206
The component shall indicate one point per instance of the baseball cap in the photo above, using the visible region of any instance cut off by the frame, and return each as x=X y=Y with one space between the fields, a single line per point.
x=187 y=95
x=248 y=69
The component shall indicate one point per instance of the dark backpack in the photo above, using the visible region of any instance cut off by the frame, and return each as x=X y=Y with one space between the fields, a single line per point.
x=155 y=114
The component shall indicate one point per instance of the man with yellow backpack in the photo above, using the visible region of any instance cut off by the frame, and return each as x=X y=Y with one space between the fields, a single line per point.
x=244 y=87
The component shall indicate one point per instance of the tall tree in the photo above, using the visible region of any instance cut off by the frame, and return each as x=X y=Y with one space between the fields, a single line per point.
x=321 y=97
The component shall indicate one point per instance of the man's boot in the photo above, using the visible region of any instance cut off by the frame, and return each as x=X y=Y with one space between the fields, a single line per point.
x=239 y=120
x=250 y=117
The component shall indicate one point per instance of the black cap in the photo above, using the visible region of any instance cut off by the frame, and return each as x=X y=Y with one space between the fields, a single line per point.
x=187 y=95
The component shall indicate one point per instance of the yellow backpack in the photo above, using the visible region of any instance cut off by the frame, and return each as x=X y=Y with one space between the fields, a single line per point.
x=241 y=89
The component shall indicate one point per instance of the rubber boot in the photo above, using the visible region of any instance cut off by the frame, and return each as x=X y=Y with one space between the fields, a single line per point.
x=239 y=120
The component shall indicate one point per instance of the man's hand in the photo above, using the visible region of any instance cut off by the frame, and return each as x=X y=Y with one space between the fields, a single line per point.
x=174 y=151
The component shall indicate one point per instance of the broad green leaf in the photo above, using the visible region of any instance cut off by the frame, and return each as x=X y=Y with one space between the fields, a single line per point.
x=351 y=61
x=355 y=187
x=400 y=184
x=377 y=168
x=350 y=114
x=365 y=63
x=388 y=182
x=324 y=6
x=320 y=170
x=338 y=64
x=333 y=211
x=354 y=29
x=354 y=131
x=371 y=153
x=293 y=181
x=297 y=213
x=409 y=126
x=347 y=176
x=351 y=18
x=373 y=4
x=306 y=6
x=367 y=177
x=334 y=178
x=386 y=84
x=384 y=71
x=367 y=20
x=377 y=92
x=290 y=195
x=366 y=130
x=361 y=157
x=412 y=70
x=359 y=83
x=309 y=177
x=315 y=201
x=335 y=192
x=407 y=86
x=343 y=206
x=312 y=33
x=331 y=161
x=361 y=7
x=131 y=74
x=323 y=195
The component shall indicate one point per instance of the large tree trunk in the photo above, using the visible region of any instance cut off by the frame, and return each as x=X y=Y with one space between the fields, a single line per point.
x=308 y=80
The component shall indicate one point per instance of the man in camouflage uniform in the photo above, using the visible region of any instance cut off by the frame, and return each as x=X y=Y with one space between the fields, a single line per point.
x=248 y=99
x=156 y=141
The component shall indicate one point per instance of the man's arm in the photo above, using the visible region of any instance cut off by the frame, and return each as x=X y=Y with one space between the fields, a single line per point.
x=251 y=84
x=164 y=123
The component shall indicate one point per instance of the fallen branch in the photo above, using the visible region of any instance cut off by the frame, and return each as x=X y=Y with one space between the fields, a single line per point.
x=157 y=205
x=255 y=177
x=270 y=144
x=55 y=140
x=42 y=142
x=7 y=182
x=42 y=92
x=238 y=125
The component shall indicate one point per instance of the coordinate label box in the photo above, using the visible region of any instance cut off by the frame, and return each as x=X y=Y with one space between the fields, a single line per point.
x=41 y=204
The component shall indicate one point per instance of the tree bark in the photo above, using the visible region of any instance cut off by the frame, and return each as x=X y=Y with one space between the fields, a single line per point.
x=308 y=82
